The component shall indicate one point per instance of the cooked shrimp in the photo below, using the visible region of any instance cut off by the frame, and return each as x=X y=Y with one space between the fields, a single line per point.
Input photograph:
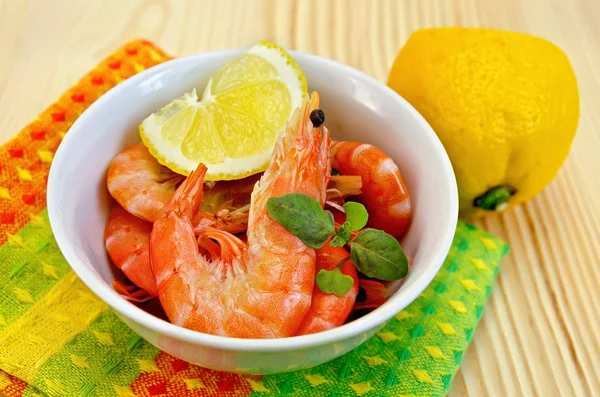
x=140 y=183
x=328 y=311
x=384 y=193
x=258 y=289
x=127 y=236
x=127 y=241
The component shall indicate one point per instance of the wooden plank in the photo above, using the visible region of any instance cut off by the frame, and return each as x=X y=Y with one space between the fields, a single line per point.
x=539 y=333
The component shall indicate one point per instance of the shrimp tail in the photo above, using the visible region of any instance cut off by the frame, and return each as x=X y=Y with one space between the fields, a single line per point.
x=187 y=198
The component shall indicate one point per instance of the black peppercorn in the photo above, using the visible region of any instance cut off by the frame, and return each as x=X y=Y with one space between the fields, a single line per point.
x=317 y=117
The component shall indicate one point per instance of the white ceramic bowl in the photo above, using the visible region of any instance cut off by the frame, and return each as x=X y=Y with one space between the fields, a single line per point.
x=357 y=107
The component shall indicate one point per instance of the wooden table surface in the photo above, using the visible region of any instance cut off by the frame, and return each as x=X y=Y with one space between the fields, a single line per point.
x=540 y=332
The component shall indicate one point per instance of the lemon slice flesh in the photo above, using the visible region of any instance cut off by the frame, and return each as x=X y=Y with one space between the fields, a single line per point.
x=234 y=127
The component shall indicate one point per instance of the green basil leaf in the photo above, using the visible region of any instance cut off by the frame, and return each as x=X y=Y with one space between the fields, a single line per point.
x=304 y=217
x=344 y=231
x=337 y=241
x=334 y=282
x=378 y=255
x=356 y=214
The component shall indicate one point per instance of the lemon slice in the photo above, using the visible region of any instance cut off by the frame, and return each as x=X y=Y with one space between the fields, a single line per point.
x=234 y=127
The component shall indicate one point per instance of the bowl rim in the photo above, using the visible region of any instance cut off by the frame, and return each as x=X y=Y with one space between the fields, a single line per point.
x=374 y=319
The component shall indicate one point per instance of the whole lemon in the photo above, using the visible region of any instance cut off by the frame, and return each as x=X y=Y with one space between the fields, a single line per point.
x=504 y=104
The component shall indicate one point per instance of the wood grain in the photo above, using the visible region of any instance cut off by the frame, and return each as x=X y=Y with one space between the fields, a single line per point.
x=539 y=334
